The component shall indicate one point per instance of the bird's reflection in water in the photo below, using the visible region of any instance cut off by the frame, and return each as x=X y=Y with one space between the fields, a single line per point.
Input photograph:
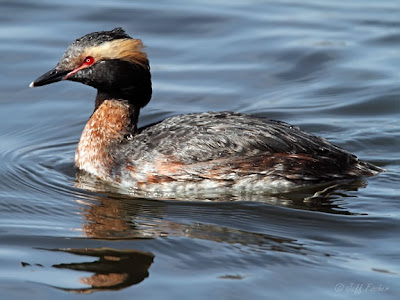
x=116 y=216
x=112 y=216
x=125 y=218
x=114 y=270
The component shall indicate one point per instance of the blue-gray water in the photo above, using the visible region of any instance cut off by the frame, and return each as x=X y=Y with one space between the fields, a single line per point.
x=331 y=67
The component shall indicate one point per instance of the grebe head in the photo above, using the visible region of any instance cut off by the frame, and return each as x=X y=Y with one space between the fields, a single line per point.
x=110 y=61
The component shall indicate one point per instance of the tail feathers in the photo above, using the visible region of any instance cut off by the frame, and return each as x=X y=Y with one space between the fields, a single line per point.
x=367 y=169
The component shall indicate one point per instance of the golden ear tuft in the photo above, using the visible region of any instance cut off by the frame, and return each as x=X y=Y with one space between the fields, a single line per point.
x=126 y=49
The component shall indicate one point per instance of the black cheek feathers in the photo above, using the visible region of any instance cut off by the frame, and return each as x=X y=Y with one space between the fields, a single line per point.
x=118 y=79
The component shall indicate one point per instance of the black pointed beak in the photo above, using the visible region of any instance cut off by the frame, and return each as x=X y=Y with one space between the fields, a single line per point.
x=53 y=75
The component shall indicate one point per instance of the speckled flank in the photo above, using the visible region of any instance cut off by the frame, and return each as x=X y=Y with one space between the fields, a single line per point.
x=261 y=154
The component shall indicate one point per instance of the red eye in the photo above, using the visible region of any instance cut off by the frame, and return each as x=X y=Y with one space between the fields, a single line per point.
x=89 y=60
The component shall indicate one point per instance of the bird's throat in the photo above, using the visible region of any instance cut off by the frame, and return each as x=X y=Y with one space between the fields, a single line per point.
x=108 y=126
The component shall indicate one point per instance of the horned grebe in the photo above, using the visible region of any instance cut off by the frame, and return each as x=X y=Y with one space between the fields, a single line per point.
x=195 y=151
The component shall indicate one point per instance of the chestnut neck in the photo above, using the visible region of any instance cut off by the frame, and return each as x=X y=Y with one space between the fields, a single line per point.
x=134 y=110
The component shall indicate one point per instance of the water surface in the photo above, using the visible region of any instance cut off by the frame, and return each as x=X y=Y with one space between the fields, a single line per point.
x=330 y=67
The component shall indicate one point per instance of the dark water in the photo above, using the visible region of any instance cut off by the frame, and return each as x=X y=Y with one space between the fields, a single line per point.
x=331 y=67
